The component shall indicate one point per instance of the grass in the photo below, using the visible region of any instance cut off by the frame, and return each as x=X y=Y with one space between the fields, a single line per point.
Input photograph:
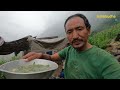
x=101 y=39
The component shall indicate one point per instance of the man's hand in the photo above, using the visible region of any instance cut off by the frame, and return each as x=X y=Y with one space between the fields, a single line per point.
x=32 y=55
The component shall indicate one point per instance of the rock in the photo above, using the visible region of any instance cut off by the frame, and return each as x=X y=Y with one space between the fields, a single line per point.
x=117 y=38
x=118 y=58
x=114 y=48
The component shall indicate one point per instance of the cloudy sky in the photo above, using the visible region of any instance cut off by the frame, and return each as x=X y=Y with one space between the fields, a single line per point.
x=17 y=24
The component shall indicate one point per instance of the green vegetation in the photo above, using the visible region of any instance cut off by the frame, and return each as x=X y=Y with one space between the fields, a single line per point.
x=15 y=58
x=101 y=39
x=2 y=61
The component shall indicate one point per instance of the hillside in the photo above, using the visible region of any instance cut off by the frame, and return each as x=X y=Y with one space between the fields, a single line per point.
x=104 y=37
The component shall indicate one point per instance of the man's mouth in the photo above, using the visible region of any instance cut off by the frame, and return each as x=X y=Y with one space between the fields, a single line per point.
x=77 y=42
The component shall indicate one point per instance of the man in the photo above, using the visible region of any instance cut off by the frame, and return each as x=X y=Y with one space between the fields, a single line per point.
x=83 y=60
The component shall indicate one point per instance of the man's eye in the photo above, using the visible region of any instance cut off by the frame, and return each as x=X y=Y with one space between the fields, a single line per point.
x=69 y=32
x=79 y=29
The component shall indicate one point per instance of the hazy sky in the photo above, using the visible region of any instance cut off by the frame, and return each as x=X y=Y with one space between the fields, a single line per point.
x=17 y=24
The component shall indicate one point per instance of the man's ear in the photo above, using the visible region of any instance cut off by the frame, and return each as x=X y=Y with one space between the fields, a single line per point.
x=89 y=32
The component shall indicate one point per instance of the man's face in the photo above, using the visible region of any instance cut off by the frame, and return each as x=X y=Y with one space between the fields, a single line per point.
x=77 y=33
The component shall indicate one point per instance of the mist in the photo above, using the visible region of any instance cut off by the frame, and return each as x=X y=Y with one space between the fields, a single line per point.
x=18 y=24
x=56 y=27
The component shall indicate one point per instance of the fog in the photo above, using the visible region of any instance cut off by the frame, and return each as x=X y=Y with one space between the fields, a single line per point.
x=17 y=24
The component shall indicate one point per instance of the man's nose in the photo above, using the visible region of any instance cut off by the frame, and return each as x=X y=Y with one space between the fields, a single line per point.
x=75 y=34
